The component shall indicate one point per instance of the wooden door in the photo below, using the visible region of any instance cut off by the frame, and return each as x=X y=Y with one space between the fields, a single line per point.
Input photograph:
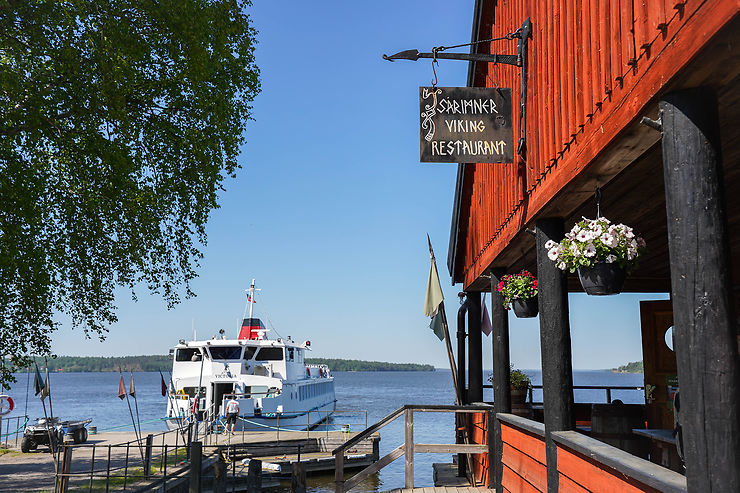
x=659 y=363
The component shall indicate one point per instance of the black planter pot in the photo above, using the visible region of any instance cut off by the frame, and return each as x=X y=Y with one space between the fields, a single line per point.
x=602 y=279
x=525 y=308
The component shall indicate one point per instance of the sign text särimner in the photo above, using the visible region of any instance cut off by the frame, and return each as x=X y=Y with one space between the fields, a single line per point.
x=465 y=125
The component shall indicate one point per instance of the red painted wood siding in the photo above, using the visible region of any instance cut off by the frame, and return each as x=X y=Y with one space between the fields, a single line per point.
x=579 y=474
x=594 y=67
x=524 y=460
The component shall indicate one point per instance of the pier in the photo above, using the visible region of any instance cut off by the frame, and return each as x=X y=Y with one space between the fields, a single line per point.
x=114 y=461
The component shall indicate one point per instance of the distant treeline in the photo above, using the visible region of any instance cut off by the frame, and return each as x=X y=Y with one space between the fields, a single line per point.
x=162 y=362
x=357 y=365
x=633 y=367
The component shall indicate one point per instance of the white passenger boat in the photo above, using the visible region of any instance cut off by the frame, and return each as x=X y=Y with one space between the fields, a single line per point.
x=269 y=378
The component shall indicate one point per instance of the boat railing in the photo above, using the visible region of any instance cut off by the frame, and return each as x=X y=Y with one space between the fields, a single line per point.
x=409 y=447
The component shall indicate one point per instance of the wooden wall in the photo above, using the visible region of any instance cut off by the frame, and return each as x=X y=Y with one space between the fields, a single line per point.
x=594 y=66
x=523 y=459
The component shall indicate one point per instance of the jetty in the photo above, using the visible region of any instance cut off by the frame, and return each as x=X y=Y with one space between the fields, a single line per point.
x=169 y=460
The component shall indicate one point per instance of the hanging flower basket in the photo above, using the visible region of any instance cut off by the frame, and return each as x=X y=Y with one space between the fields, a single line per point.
x=602 y=279
x=603 y=254
x=518 y=288
x=525 y=308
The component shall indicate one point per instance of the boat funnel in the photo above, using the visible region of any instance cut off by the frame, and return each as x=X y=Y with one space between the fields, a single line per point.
x=252 y=328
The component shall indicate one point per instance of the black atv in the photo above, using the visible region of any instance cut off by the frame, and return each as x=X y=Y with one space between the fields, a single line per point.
x=50 y=432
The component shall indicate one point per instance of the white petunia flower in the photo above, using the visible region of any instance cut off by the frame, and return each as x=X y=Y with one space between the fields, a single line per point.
x=561 y=266
x=549 y=244
x=609 y=240
x=611 y=259
x=583 y=236
x=574 y=249
x=552 y=254
x=590 y=250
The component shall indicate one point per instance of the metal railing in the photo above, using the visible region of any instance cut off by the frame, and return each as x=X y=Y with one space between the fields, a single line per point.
x=12 y=426
x=408 y=448
x=606 y=388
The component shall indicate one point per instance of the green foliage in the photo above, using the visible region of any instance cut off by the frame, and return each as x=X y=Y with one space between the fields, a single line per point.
x=356 y=365
x=518 y=379
x=596 y=240
x=517 y=286
x=119 y=122
x=633 y=367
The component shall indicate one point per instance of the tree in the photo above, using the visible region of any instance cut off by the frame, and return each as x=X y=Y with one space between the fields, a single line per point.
x=120 y=120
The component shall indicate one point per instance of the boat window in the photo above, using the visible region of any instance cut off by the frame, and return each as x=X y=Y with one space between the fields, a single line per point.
x=290 y=354
x=188 y=354
x=249 y=352
x=190 y=391
x=270 y=354
x=225 y=352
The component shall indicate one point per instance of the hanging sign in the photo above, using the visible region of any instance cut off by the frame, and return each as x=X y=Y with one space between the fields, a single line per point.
x=465 y=125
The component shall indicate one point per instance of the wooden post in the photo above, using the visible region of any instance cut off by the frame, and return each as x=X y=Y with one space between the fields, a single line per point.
x=475 y=349
x=703 y=313
x=196 y=464
x=254 y=476
x=298 y=478
x=491 y=439
x=460 y=418
x=219 y=475
x=148 y=456
x=501 y=373
x=339 y=472
x=64 y=470
x=409 y=447
x=557 y=370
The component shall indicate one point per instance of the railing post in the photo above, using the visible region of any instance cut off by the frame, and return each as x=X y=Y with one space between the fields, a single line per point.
x=339 y=472
x=92 y=468
x=409 y=448
x=608 y=395
x=298 y=478
x=148 y=456
x=196 y=464
x=254 y=476
x=62 y=482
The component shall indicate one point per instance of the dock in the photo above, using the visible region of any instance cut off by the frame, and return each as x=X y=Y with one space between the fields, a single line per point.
x=118 y=451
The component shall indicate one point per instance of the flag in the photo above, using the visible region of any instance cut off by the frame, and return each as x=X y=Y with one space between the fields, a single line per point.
x=121 y=389
x=164 y=385
x=437 y=327
x=38 y=382
x=485 y=319
x=131 y=390
x=46 y=390
x=434 y=291
x=250 y=300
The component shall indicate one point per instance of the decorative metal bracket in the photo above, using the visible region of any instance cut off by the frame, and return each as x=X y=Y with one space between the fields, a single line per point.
x=523 y=34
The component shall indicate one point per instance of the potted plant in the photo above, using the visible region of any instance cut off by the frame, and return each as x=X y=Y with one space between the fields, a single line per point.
x=519 y=291
x=603 y=254
x=520 y=383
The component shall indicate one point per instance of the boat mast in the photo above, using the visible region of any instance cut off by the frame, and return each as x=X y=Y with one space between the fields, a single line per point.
x=251 y=299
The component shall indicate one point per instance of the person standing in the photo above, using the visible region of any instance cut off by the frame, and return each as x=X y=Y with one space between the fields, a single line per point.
x=232 y=411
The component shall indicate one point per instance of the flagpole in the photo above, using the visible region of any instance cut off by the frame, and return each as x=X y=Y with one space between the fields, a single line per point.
x=136 y=402
x=453 y=369
x=48 y=387
x=133 y=423
x=38 y=386
x=169 y=396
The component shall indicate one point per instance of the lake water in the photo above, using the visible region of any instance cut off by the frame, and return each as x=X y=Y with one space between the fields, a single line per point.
x=95 y=395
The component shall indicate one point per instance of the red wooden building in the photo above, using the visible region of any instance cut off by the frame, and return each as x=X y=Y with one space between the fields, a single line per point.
x=595 y=69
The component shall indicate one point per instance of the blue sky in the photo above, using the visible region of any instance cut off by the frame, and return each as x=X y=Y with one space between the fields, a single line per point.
x=331 y=208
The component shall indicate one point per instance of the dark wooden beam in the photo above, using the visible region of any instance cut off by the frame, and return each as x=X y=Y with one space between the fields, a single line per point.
x=704 y=330
x=460 y=419
x=557 y=370
x=475 y=348
x=501 y=371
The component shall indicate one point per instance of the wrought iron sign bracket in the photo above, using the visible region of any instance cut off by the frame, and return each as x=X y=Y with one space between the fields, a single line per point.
x=523 y=34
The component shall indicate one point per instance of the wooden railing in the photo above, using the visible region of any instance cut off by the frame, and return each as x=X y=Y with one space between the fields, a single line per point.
x=408 y=447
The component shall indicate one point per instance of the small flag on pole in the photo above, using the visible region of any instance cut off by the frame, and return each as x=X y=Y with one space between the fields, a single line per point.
x=250 y=300
x=38 y=382
x=434 y=292
x=131 y=390
x=485 y=321
x=164 y=385
x=437 y=327
x=46 y=390
x=121 y=389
